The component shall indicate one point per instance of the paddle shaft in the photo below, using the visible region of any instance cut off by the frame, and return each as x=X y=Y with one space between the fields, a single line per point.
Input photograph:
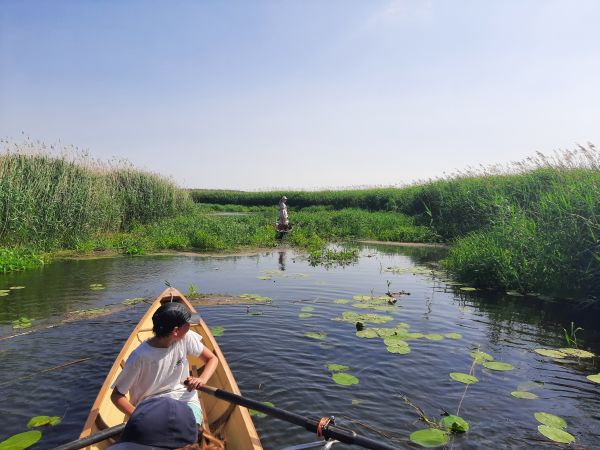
x=331 y=432
x=97 y=437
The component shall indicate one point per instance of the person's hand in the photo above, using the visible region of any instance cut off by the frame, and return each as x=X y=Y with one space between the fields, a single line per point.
x=194 y=383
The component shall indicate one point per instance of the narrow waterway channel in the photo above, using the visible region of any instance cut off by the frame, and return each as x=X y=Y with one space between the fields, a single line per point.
x=275 y=360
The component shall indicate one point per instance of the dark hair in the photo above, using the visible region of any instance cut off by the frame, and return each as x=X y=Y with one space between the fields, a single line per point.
x=169 y=316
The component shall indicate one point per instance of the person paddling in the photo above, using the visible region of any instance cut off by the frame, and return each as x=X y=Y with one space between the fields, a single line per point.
x=159 y=366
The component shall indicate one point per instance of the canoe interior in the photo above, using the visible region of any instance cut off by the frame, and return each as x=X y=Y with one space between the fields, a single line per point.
x=236 y=425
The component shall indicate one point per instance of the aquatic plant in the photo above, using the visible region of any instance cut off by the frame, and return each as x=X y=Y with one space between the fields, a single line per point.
x=571 y=335
x=192 y=291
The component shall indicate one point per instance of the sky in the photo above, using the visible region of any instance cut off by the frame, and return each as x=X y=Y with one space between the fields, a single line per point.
x=303 y=94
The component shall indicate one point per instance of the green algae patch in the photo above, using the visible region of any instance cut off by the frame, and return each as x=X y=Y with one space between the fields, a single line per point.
x=550 y=353
x=429 y=437
x=345 y=379
x=464 y=378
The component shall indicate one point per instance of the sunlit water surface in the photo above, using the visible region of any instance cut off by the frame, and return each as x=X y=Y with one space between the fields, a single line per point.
x=274 y=361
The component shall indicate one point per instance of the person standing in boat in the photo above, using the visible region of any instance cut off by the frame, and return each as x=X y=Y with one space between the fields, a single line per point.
x=159 y=366
x=282 y=221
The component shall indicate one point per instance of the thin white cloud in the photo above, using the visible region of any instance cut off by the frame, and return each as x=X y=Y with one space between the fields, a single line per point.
x=399 y=11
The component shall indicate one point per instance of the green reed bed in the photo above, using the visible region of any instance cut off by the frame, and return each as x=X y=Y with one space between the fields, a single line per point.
x=52 y=202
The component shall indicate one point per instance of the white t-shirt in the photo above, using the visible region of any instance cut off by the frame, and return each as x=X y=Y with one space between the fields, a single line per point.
x=160 y=372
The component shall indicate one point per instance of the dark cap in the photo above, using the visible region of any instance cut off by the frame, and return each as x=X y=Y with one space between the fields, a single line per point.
x=170 y=315
x=159 y=423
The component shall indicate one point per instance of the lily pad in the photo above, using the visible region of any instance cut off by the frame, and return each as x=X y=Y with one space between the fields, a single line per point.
x=395 y=341
x=556 y=434
x=514 y=294
x=255 y=413
x=550 y=353
x=341 y=301
x=525 y=395
x=40 y=421
x=455 y=423
x=414 y=335
x=368 y=333
x=594 y=378
x=350 y=316
x=577 y=352
x=217 y=331
x=21 y=440
x=453 y=335
x=337 y=367
x=385 y=332
x=399 y=348
x=344 y=379
x=551 y=420
x=304 y=315
x=429 y=437
x=497 y=365
x=97 y=287
x=468 y=289
x=16 y=287
x=481 y=357
x=264 y=277
x=4 y=293
x=434 y=337
x=464 y=378
x=307 y=308
x=22 y=322
x=319 y=335
x=133 y=301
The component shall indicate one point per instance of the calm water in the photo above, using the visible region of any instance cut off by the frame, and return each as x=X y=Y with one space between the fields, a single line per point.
x=274 y=361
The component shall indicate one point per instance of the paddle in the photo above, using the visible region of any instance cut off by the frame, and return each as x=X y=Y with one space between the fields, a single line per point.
x=328 y=432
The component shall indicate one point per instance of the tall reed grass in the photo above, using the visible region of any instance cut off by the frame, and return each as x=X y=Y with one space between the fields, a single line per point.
x=50 y=201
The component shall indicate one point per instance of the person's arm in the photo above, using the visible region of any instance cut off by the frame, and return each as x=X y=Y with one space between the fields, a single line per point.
x=209 y=368
x=121 y=402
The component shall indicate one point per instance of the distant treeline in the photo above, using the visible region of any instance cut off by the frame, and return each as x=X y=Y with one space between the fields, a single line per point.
x=50 y=202
x=533 y=226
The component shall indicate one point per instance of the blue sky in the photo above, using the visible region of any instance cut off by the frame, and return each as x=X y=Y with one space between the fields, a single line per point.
x=302 y=94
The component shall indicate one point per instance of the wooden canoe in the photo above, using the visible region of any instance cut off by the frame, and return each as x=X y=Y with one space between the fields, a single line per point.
x=233 y=422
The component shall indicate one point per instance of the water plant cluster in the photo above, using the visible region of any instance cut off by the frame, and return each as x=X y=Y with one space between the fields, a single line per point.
x=28 y=438
x=530 y=226
x=51 y=201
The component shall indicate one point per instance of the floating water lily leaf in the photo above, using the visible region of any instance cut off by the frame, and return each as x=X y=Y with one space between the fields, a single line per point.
x=577 y=352
x=524 y=395
x=337 y=367
x=455 y=423
x=362 y=297
x=497 y=365
x=307 y=308
x=350 y=316
x=264 y=277
x=385 y=332
x=550 y=353
x=434 y=337
x=344 y=379
x=21 y=440
x=413 y=335
x=468 y=289
x=40 y=421
x=395 y=340
x=376 y=307
x=133 y=301
x=481 y=357
x=320 y=335
x=556 y=434
x=256 y=413
x=453 y=335
x=368 y=333
x=304 y=315
x=429 y=437
x=217 y=331
x=464 y=378
x=551 y=420
x=514 y=294
x=96 y=287
x=594 y=378
x=22 y=322
x=341 y=301
x=399 y=348
x=54 y=420
x=4 y=294
x=16 y=287
x=357 y=401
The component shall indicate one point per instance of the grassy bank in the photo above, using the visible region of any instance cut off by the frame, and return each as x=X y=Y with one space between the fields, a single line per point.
x=531 y=226
x=50 y=202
